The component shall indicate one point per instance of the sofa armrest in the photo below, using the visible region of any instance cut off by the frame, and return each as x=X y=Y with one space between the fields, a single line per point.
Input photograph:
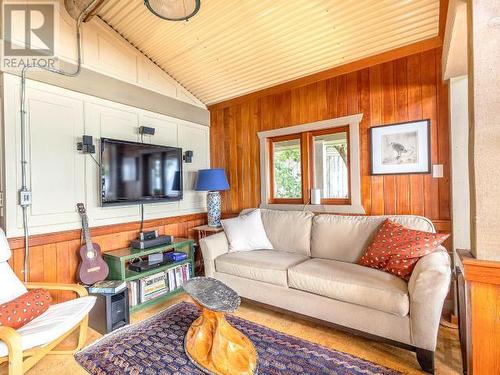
x=428 y=287
x=211 y=248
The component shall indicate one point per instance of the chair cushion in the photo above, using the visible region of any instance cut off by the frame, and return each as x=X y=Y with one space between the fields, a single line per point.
x=23 y=309
x=396 y=249
x=289 y=230
x=269 y=266
x=351 y=283
x=52 y=324
x=345 y=238
x=12 y=287
x=5 y=252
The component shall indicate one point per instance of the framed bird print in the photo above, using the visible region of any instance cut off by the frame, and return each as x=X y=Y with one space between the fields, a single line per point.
x=403 y=148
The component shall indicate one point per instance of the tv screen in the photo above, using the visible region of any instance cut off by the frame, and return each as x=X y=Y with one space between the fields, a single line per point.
x=133 y=172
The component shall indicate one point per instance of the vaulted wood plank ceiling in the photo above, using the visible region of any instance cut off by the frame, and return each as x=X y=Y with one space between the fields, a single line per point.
x=233 y=47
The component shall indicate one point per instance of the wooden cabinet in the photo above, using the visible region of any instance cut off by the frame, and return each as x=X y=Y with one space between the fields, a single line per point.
x=479 y=314
x=464 y=319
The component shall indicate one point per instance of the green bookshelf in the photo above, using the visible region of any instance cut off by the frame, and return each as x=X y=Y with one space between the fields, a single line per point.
x=118 y=261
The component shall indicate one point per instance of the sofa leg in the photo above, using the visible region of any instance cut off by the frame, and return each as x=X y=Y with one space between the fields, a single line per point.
x=425 y=359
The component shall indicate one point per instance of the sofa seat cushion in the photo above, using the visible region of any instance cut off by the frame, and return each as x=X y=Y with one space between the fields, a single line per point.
x=269 y=266
x=351 y=283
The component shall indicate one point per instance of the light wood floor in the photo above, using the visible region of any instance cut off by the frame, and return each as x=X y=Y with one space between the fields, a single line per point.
x=448 y=352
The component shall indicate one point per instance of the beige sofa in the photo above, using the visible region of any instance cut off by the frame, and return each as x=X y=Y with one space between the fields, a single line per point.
x=312 y=271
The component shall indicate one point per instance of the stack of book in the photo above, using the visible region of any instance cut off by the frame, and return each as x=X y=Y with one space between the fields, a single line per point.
x=178 y=276
x=108 y=287
x=153 y=286
x=150 y=287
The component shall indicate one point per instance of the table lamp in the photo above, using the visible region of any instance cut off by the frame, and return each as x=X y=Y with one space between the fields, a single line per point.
x=213 y=181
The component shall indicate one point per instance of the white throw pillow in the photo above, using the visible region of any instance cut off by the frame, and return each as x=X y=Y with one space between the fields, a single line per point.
x=246 y=232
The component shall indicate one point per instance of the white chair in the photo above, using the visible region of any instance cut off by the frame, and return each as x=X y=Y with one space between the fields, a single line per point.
x=24 y=347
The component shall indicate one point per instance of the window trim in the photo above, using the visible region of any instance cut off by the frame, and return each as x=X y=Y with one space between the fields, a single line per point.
x=354 y=171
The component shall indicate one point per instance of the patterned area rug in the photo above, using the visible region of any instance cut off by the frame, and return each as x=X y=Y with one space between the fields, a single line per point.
x=156 y=347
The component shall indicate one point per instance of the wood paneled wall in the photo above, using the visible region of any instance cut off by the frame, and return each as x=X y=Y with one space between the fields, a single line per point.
x=405 y=89
x=54 y=256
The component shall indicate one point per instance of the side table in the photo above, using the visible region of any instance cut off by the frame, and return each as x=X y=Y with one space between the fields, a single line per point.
x=202 y=231
x=211 y=343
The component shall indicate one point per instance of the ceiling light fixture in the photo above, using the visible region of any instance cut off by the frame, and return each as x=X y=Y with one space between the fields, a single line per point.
x=173 y=10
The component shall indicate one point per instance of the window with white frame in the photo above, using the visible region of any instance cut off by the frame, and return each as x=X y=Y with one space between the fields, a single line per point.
x=323 y=155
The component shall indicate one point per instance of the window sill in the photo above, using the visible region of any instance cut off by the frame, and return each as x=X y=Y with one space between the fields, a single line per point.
x=319 y=208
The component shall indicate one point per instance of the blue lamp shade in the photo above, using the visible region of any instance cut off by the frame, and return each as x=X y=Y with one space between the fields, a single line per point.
x=212 y=180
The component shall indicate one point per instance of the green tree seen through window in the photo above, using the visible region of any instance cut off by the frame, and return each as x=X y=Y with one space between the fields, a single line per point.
x=287 y=172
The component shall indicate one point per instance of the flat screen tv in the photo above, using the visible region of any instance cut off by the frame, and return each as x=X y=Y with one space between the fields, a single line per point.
x=133 y=172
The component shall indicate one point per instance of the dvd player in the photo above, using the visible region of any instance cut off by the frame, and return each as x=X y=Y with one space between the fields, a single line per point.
x=145 y=265
x=147 y=243
x=167 y=258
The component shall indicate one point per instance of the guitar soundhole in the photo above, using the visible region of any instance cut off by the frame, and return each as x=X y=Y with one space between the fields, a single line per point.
x=90 y=255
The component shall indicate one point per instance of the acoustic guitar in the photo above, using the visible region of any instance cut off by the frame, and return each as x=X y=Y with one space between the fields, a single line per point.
x=92 y=267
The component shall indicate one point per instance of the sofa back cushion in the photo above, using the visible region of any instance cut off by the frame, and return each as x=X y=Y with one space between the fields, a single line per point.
x=345 y=238
x=288 y=230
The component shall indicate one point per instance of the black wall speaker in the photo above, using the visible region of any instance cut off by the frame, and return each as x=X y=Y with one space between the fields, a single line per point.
x=188 y=156
x=86 y=145
x=145 y=130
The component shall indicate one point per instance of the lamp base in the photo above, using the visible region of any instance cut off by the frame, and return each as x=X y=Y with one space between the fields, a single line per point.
x=214 y=208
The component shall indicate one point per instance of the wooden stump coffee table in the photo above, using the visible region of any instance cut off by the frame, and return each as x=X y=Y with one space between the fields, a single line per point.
x=211 y=343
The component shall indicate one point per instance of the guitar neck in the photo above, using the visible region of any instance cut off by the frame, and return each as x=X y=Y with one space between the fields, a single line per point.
x=86 y=232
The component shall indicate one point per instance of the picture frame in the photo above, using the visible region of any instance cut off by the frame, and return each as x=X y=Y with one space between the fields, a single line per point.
x=401 y=148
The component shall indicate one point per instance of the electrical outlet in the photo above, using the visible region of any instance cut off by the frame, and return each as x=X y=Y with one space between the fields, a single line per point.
x=437 y=171
x=25 y=198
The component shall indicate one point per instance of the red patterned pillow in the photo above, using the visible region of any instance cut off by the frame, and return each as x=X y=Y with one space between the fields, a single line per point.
x=25 y=308
x=396 y=249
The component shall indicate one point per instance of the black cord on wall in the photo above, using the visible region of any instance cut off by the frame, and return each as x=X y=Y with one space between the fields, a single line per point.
x=142 y=204
x=98 y=164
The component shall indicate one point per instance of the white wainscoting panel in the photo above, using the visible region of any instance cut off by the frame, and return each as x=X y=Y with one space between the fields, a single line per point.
x=197 y=139
x=53 y=131
x=166 y=133
x=66 y=37
x=60 y=176
x=152 y=77
x=115 y=121
x=106 y=53
x=55 y=169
